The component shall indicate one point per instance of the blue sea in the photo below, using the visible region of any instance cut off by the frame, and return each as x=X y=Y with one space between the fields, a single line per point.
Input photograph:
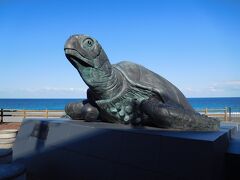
x=59 y=104
x=216 y=103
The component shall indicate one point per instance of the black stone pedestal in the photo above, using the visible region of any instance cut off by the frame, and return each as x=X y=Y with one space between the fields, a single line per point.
x=5 y=155
x=12 y=171
x=64 y=149
x=233 y=158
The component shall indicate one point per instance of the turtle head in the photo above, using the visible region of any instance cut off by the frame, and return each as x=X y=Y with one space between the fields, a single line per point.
x=88 y=57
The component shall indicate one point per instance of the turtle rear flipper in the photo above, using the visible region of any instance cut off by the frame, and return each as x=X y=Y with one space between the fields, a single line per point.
x=82 y=110
x=169 y=116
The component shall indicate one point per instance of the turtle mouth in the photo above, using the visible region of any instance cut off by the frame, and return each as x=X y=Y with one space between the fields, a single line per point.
x=76 y=58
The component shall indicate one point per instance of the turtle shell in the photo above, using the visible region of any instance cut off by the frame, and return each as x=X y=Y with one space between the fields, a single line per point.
x=141 y=77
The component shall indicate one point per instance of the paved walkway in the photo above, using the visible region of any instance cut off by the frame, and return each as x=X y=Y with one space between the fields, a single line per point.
x=20 y=119
x=12 y=119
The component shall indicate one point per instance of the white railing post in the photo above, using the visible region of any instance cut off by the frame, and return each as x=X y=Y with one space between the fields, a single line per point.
x=206 y=111
x=46 y=113
x=24 y=114
x=225 y=114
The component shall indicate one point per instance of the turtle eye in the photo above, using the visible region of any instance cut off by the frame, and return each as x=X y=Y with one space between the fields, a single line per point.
x=88 y=43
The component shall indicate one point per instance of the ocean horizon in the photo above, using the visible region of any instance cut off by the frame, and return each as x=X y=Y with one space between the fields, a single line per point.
x=59 y=103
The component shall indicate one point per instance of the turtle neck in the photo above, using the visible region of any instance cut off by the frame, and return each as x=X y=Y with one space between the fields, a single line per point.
x=110 y=85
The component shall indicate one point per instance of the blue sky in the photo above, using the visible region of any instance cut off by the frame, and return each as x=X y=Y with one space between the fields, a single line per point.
x=193 y=44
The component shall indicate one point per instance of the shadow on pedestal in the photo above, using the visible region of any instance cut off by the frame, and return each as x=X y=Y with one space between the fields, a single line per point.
x=64 y=149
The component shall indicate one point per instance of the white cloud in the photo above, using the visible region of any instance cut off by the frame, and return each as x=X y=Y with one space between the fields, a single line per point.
x=45 y=92
x=218 y=89
x=236 y=82
x=227 y=86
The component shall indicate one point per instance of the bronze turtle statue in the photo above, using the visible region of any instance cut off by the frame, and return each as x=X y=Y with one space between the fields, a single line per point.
x=127 y=92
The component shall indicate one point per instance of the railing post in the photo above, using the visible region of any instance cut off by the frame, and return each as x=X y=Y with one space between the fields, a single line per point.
x=229 y=114
x=46 y=113
x=24 y=114
x=1 y=115
x=206 y=111
x=225 y=114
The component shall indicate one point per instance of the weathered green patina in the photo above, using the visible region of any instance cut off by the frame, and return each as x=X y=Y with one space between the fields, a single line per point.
x=127 y=92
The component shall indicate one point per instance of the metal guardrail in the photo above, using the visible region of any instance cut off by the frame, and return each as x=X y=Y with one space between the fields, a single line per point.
x=30 y=113
x=224 y=114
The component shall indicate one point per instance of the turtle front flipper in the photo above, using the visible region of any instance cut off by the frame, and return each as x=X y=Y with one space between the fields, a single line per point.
x=169 y=116
x=82 y=110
